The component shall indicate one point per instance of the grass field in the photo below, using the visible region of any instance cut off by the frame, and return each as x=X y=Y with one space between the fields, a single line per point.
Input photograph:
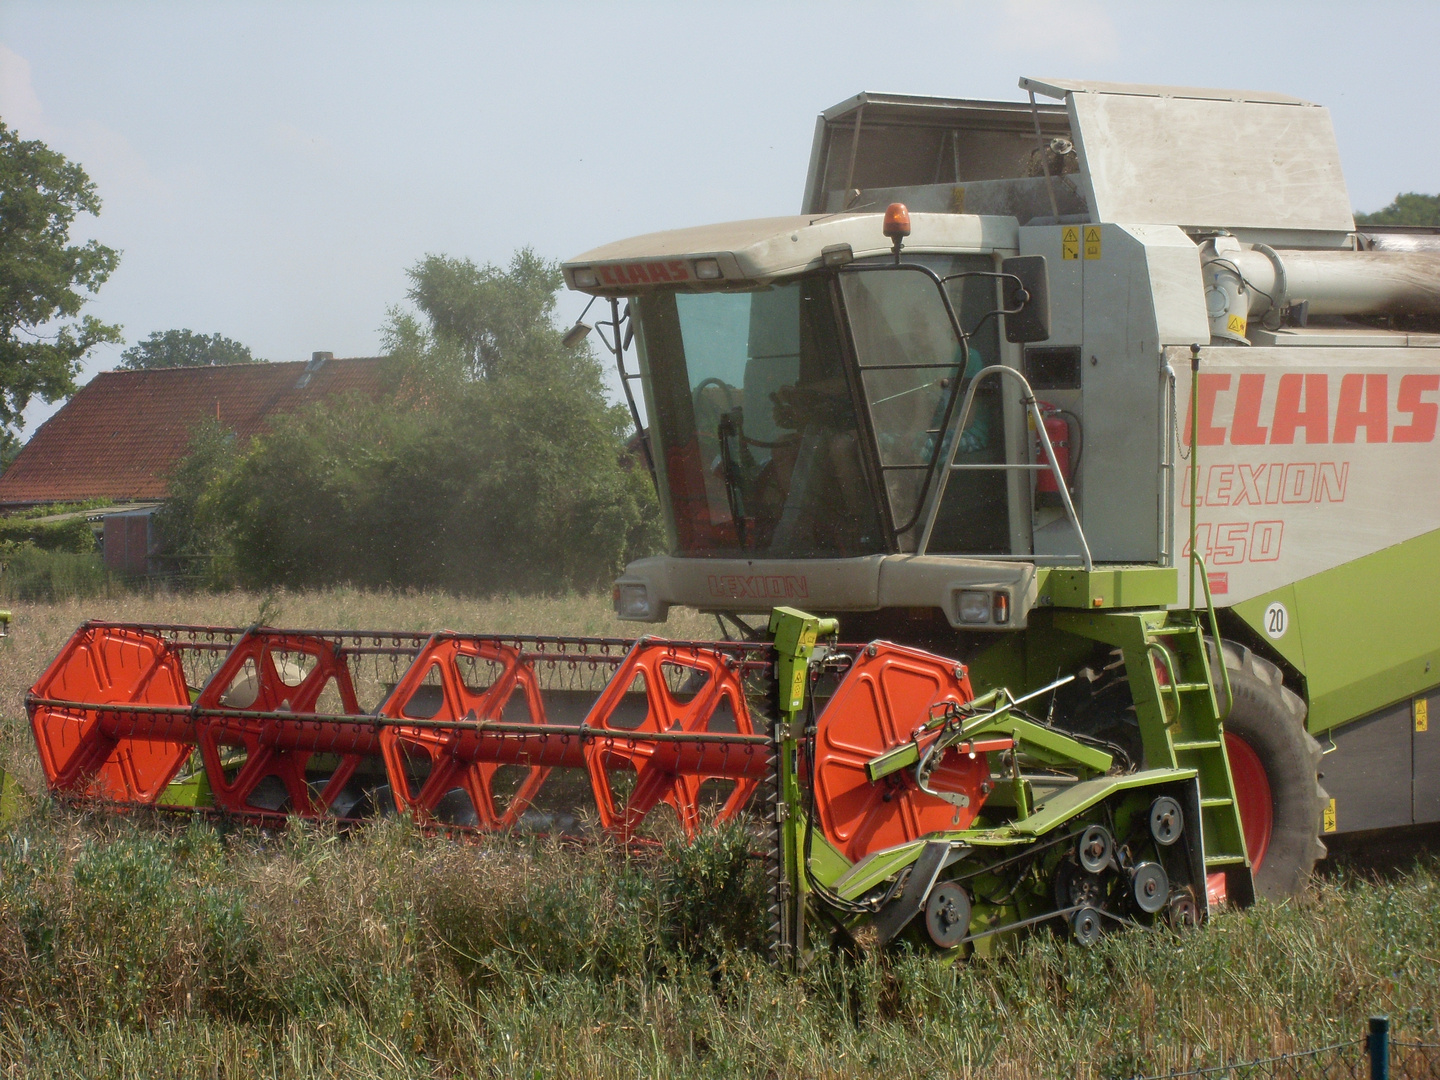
x=163 y=948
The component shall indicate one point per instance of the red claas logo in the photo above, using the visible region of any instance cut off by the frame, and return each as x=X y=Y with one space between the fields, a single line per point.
x=759 y=586
x=1311 y=409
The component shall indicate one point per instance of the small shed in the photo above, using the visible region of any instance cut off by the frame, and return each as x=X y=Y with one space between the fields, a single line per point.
x=129 y=542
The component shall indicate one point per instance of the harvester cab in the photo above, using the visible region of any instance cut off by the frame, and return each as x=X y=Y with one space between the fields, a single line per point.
x=1072 y=388
x=806 y=379
x=807 y=397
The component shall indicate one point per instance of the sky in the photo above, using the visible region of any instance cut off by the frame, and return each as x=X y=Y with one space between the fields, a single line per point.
x=270 y=170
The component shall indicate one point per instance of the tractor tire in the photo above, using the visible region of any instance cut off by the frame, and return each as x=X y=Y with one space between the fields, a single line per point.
x=1275 y=764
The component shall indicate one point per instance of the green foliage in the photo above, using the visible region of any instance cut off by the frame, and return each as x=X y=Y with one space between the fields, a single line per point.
x=56 y=508
x=490 y=319
x=129 y=949
x=498 y=465
x=49 y=560
x=542 y=911
x=1409 y=208
x=29 y=573
x=184 y=348
x=714 y=893
x=73 y=534
x=10 y=445
x=370 y=496
x=112 y=883
x=43 y=277
x=192 y=531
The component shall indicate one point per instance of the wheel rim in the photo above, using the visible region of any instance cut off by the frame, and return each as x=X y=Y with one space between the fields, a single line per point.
x=1252 y=796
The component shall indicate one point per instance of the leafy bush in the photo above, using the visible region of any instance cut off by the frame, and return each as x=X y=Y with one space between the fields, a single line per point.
x=496 y=465
x=714 y=892
x=73 y=535
x=29 y=573
x=55 y=509
x=192 y=533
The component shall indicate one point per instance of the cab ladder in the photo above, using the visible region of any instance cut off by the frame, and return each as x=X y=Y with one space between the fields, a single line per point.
x=1181 y=720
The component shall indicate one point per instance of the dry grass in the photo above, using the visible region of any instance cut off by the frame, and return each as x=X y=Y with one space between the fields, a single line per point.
x=150 y=948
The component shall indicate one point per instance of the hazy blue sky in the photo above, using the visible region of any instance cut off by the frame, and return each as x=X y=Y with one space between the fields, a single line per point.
x=270 y=170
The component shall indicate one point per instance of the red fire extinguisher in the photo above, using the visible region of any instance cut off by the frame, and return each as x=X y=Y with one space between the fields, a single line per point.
x=1063 y=428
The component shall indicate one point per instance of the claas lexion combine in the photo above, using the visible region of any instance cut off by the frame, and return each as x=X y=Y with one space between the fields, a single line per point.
x=1098 y=423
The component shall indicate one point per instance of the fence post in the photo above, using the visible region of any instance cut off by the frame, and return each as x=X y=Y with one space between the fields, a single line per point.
x=1377 y=1045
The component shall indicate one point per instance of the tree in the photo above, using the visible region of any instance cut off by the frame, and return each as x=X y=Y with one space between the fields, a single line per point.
x=485 y=315
x=44 y=279
x=184 y=348
x=496 y=465
x=9 y=448
x=1410 y=208
x=195 y=537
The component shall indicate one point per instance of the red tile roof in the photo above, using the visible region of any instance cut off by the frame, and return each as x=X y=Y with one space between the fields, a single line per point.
x=120 y=436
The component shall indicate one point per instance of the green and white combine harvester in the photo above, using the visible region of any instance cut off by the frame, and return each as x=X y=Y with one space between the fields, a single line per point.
x=850 y=410
x=1100 y=426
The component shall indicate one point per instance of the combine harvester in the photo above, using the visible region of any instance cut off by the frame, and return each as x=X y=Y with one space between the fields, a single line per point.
x=951 y=405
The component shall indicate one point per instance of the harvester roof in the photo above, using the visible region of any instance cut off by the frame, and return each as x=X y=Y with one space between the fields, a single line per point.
x=971 y=171
x=766 y=248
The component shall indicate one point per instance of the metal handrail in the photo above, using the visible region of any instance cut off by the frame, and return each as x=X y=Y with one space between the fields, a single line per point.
x=1171 y=672
x=1033 y=411
x=1196 y=559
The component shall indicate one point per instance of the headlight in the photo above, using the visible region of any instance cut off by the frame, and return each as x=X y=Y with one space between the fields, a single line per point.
x=974 y=606
x=709 y=270
x=632 y=602
x=584 y=277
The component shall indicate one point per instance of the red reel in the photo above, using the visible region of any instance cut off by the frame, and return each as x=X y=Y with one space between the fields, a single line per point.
x=89 y=751
x=672 y=772
x=887 y=694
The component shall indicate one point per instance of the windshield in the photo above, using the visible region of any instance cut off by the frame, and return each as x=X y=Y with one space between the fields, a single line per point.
x=909 y=357
x=756 y=423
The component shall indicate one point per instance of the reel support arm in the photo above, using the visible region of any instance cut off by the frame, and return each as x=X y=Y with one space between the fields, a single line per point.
x=794 y=634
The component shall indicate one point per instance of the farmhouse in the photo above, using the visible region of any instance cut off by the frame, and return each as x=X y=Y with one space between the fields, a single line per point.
x=121 y=435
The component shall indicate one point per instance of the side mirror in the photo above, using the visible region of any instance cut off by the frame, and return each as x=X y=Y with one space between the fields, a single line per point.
x=1026 y=296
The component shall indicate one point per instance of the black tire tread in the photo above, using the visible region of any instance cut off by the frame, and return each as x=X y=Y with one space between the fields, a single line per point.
x=1295 y=846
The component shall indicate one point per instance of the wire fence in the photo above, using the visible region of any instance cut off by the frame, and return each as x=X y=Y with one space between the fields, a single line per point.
x=1373 y=1056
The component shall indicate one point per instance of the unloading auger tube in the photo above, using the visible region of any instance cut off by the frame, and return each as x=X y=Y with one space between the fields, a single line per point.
x=892 y=804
